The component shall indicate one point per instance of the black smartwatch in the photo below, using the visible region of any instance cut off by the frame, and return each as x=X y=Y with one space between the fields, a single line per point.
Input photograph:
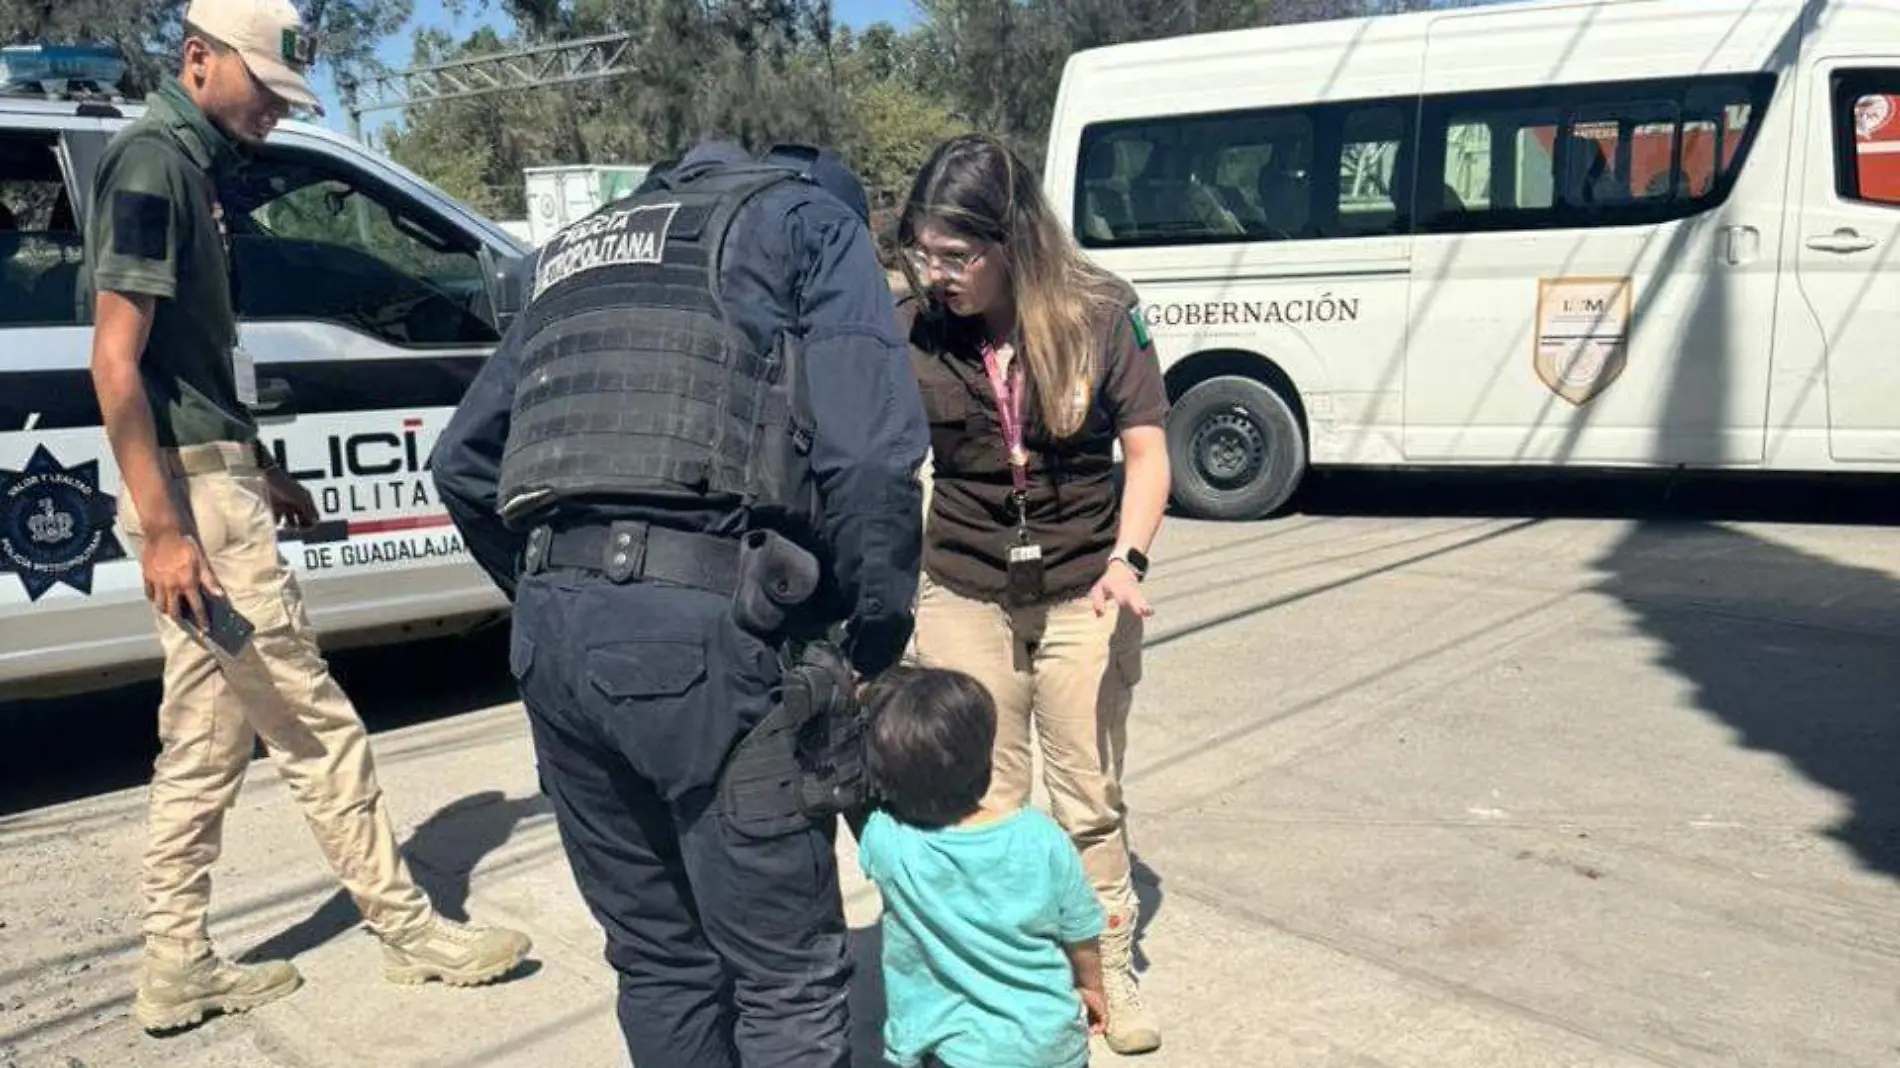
x=1136 y=560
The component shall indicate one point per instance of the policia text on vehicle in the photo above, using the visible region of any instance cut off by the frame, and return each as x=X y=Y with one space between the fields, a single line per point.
x=706 y=383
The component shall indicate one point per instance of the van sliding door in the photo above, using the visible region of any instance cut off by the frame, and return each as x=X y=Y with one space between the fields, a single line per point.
x=1848 y=252
x=1595 y=271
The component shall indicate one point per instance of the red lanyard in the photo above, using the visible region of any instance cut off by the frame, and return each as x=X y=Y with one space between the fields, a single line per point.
x=1009 y=416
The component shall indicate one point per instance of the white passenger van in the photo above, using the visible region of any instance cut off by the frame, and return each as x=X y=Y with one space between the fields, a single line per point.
x=369 y=300
x=1616 y=233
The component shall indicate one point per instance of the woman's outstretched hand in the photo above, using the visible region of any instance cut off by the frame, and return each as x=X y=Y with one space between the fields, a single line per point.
x=1118 y=585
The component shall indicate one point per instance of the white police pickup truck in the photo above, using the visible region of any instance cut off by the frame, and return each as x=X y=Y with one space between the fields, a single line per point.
x=369 y=299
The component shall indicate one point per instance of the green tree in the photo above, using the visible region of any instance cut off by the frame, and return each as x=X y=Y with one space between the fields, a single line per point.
x=757 y=71
x=761 y=71
x=475 y=148
x=1000 y=61
x=898 y=127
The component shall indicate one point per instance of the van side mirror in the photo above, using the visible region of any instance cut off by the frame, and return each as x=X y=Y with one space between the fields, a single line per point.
x=276 y=402
x=504 y=280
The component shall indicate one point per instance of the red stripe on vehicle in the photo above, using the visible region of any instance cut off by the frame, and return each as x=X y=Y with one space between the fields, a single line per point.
x=385 y=526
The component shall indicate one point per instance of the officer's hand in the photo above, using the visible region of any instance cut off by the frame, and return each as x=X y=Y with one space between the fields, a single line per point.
x=1118 y=585
x=177 y=575
x=290 y=502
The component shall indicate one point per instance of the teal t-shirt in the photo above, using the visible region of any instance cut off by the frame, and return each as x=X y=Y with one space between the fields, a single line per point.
x=975 y=920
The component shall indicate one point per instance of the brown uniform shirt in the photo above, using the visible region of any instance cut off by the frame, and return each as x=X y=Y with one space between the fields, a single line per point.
x=1074 y=510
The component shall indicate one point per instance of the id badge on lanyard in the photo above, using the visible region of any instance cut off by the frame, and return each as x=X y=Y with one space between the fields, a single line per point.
x=244 y=370
x=1025 y=578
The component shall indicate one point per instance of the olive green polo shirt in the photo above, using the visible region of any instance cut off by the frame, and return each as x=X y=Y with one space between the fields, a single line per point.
x=154 y=231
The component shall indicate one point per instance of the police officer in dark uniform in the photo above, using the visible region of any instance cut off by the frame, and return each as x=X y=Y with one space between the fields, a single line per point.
x=705 y=385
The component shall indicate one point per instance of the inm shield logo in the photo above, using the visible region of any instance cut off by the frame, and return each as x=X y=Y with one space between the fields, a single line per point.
x=55 y=525
x=1582 y=343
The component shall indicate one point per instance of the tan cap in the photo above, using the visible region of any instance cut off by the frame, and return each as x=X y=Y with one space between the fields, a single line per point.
x=270 y=36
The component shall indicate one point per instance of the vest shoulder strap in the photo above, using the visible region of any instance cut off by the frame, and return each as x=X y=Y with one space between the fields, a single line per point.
x=145 y=133
x=727 y=191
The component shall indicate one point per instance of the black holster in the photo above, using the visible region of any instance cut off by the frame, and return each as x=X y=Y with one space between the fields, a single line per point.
x=804 y=762
x=777 y=577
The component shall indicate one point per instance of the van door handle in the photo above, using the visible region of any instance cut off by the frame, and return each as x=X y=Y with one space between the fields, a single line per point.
x=1842 y=240
x=276 y=401
x=1743 y=244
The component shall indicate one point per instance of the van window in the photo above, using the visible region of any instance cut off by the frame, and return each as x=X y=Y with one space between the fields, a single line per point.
x=1373 y=141
x=1867 y=135
x=1283 y=175
x=41 y=248
x=1580 y=156
x=1536 y=158
x=314 y=243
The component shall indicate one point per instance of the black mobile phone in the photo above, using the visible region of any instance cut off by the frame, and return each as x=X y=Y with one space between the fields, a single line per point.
x=230 y=631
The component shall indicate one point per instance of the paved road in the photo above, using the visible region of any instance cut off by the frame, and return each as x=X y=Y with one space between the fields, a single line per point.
x=1435 y=773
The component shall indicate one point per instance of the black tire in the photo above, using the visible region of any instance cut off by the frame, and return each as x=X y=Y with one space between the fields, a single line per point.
x=1236 y=449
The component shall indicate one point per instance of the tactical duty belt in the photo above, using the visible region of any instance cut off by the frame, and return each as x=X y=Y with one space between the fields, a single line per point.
x=624 y=551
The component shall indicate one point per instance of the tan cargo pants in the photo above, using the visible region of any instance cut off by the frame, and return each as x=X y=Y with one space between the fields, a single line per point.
x=279 y=689
x=1070 y=675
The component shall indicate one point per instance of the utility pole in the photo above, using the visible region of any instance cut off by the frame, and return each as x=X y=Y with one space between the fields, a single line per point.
x=562 y=63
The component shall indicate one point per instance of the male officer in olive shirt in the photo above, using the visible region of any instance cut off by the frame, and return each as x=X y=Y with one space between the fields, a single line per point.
x=204 y=501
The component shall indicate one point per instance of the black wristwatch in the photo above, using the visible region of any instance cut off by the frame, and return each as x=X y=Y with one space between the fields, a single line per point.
x=1136 y=560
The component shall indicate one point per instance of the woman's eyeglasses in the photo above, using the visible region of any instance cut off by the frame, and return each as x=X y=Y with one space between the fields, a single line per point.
x=953 y=265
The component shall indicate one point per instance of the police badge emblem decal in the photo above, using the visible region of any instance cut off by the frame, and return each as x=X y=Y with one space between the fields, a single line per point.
x=55 y=524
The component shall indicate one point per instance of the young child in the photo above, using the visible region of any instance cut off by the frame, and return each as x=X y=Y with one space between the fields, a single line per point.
x=991 y=957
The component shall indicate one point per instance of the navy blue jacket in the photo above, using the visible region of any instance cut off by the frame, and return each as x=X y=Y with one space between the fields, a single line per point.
x=799 y=258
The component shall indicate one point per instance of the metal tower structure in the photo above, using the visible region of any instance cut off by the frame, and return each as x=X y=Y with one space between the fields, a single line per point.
x=565 y=62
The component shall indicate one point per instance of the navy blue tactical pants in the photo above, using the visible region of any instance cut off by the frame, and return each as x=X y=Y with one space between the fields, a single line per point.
x=731 y=950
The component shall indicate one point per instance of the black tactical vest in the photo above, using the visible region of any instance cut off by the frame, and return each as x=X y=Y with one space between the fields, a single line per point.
x=636 y=383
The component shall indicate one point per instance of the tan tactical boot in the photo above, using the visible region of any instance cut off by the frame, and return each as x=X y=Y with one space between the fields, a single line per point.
x=1131 y=1027
x=180 y=983
x=458 y=954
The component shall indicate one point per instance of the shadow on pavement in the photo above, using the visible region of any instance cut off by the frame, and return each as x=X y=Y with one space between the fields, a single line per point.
x=1148 y=892
x=1792 y=650
x=443 y=853
x=1545 y=494
x=1795 y=652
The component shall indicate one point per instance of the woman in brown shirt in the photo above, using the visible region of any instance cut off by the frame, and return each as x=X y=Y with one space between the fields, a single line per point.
x=1034 y=364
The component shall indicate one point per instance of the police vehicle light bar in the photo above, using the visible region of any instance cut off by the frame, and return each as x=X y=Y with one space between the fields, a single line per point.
x=30 y=66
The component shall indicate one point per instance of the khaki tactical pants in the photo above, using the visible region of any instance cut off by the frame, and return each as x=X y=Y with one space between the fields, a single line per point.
x=1071 y=675
x=278 y=689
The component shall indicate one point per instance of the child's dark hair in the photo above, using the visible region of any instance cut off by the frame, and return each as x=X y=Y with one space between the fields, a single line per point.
x=930 y=739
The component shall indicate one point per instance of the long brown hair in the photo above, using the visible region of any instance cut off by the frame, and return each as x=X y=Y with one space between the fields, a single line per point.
x=978 y=189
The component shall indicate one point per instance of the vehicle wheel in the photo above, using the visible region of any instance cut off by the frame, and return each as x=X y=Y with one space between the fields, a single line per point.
x=1236 y=449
